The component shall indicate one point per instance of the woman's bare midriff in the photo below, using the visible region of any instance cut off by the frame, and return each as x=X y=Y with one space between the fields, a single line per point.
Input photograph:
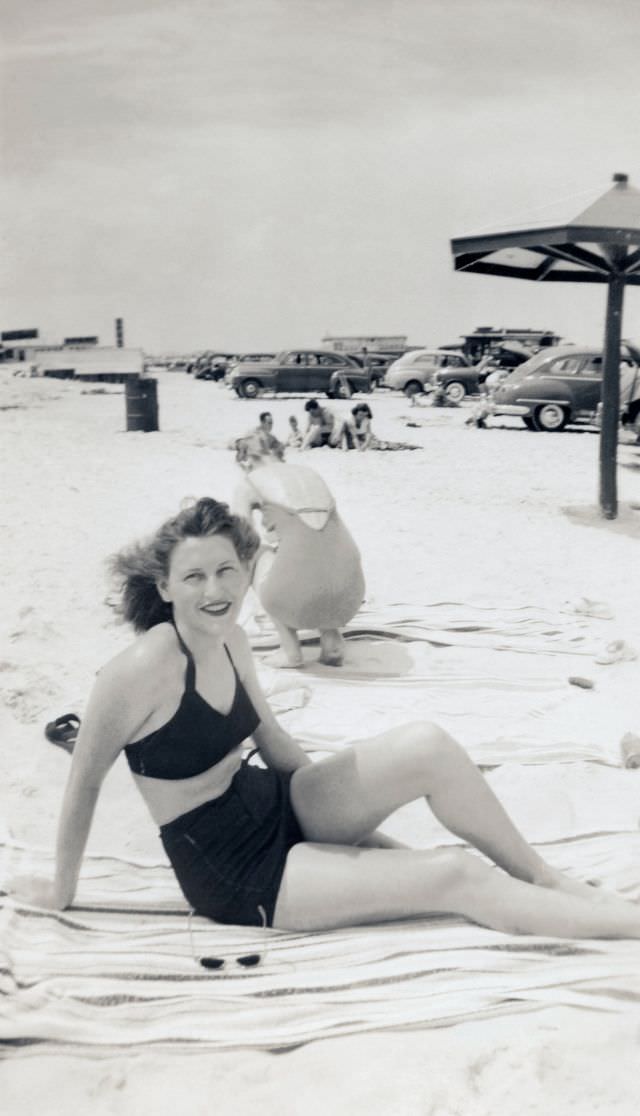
x=167 y=799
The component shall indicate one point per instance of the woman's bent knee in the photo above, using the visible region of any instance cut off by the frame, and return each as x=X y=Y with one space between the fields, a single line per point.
x=430 y=745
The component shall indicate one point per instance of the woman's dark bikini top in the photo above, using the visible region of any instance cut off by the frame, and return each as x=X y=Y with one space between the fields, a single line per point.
x=197 y=736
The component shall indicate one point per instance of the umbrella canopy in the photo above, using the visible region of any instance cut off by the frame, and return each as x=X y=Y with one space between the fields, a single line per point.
x=600 y=245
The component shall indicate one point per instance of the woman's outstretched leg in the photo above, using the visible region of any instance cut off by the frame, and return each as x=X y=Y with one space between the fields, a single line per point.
x=342 y=799
x=325 y=887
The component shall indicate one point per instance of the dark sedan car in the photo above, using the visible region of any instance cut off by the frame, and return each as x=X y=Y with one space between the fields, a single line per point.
x=557 y=386
x=211 y=366
x=314 y=370
x=456 y=382
x=377 y=363
x=460 y=381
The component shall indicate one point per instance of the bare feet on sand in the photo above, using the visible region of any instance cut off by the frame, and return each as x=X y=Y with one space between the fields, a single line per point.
x=331 y=648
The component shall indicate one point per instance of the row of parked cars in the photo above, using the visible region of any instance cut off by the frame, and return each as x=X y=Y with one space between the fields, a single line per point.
x=319 y=371
x=550 y=389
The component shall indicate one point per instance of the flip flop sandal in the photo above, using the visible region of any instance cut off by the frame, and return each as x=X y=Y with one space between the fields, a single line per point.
x=63 y=730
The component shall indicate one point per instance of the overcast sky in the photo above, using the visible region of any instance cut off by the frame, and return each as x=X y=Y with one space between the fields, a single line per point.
x=258 y=173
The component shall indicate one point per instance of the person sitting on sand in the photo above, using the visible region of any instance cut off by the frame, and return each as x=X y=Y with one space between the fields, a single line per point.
x=323 y=426
x=356 y=430
x=485 y=407
x=250 y=451
x=295 y=434
x=310 y=573
x=270 y=445
x=357 y=433
x=292 y=844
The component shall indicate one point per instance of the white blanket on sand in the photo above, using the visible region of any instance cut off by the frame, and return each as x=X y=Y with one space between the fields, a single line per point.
x=497 y=679
x=117 y=969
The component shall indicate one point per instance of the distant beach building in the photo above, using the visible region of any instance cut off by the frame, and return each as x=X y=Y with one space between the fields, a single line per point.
x=13 y=342
x=373 y=342
x=87 y=362
x=77 y=358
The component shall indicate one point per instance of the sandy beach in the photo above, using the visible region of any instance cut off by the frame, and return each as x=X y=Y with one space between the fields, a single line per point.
x=499 y=518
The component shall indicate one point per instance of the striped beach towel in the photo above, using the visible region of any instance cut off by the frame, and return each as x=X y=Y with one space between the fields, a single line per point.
x=117 y=970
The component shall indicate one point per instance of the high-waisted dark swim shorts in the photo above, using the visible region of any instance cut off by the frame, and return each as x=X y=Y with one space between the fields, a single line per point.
x=229 y=854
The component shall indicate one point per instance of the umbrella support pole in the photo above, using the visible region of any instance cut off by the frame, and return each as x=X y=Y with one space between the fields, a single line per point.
x=611 y=399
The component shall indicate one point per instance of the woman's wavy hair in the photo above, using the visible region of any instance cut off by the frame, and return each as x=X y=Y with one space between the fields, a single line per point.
x=138 y=568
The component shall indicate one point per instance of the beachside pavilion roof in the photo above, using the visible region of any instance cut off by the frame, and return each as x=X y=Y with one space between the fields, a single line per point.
x=600 y=245
x=602 y=240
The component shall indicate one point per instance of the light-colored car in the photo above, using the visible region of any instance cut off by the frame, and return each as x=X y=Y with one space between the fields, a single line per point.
x=562 y=385
x=413 y=373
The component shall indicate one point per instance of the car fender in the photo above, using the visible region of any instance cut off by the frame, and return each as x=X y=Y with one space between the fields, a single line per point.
x=267 y=380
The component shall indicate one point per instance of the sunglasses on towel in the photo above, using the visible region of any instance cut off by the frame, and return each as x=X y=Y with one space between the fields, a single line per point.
x=246 y=961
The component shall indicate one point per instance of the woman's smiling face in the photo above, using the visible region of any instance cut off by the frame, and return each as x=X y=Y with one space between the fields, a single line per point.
x=206 y=584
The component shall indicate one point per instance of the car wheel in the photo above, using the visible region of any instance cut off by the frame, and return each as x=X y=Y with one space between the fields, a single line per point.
x=414 y=387
x=529 y=423
x=551 y=417
x=251 y=389
x=455 y=391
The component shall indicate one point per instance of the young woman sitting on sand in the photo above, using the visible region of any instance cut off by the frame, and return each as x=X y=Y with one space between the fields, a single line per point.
x=356 y=430
x=357 y=433
x=291 y=844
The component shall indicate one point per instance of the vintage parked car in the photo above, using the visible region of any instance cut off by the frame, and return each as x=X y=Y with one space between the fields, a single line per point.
x=246 y=358
x=211 y=366
x=559 y=385
x=413 y=373
x=376 y=362
x=318 y=371
x=456 y=382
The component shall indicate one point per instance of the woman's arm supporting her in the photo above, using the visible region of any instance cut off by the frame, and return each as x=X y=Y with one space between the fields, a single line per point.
x=103 y=732
x=119 y=704
x=276 y=746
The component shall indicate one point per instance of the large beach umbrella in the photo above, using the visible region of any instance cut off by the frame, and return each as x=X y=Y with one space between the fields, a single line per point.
x=600 y=245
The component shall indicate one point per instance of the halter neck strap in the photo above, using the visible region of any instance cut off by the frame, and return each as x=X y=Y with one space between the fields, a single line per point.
x=190 y=677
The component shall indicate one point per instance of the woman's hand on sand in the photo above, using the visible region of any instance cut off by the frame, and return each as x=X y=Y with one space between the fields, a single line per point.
x=34 y=890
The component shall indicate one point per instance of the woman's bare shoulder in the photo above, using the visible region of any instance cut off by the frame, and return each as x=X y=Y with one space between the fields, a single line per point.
x=146 y=661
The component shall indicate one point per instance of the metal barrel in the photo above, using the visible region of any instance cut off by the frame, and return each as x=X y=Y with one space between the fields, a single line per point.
x=141 y=395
